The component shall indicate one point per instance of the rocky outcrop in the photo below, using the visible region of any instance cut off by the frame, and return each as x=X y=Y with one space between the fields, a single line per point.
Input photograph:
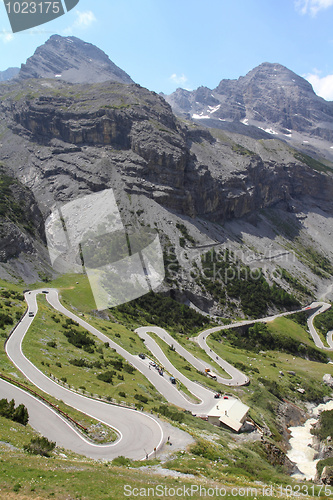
x=328 y=379
x=289 y=415
x=327 y=476
x=277 y=457
x=324 y=449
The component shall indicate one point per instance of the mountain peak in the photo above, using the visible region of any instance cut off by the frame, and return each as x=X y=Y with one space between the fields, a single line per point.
x=271 y=76
x=271 y=66
x=268 y=69
x=73 y=60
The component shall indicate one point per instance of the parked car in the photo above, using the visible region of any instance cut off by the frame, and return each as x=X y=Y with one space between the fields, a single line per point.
x=142 y=356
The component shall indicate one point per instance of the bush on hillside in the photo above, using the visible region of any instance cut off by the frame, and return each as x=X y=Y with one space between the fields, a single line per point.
x=40 y=446
x=8 y=410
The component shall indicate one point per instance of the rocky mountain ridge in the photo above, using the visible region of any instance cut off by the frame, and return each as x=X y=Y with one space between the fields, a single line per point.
x=270 y=98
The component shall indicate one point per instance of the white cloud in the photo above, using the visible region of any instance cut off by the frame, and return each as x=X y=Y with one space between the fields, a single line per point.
x=178 y=79
x=6 y=36
x=83 y=20
x=312 y=7
x=322 y=86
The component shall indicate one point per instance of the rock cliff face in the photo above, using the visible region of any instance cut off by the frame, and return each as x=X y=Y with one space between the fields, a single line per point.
x=132 y=128
x=21 y=222
x=187 y=169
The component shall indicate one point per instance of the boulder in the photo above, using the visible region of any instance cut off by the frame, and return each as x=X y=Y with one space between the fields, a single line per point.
x=328 y=379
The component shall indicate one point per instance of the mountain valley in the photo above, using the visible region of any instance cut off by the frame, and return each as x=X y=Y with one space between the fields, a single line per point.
x=250 y=192
x=238 y=184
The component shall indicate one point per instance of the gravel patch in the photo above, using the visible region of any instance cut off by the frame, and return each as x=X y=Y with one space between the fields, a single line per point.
x=10 y=446
x=159 y=470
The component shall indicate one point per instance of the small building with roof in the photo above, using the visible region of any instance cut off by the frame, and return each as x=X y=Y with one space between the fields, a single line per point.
x=229 y=412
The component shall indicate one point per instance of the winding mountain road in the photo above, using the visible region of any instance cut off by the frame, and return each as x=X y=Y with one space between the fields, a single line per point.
x=238 y=378
x=322 y=307
x=138 y=433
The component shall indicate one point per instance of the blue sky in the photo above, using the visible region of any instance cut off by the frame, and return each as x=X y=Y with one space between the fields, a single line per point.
x=165 y=44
